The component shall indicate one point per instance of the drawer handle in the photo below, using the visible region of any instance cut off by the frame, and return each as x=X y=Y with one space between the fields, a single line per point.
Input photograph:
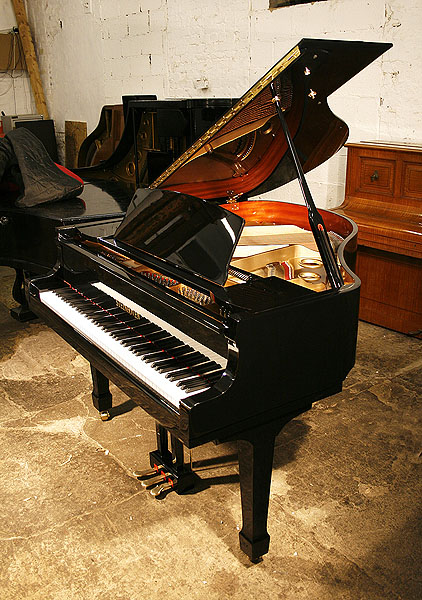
x=375 y=176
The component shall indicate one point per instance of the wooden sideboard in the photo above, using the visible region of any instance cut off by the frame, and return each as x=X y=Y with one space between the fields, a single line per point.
x=384 y=197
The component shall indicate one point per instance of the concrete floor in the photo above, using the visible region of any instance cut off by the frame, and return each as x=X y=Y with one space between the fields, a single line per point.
x=345 y=503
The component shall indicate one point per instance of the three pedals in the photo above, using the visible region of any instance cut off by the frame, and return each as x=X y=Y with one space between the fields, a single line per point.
x=157 y=480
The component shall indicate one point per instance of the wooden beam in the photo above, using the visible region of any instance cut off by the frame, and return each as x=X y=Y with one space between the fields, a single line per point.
x=30 y=57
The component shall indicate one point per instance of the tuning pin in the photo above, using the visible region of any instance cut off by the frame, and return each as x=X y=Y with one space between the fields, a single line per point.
x=163 y=487
x=161 y=478
x=148 y=473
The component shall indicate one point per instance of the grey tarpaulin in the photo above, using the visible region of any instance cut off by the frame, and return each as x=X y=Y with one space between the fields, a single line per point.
x=24 y=161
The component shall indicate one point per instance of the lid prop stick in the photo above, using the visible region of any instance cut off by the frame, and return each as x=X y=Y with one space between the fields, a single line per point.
x=315 y=220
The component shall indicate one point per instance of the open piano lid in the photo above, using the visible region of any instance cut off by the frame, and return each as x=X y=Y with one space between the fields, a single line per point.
x=245 y=151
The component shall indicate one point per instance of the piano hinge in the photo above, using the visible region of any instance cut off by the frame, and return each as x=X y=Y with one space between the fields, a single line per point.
x=232 y=197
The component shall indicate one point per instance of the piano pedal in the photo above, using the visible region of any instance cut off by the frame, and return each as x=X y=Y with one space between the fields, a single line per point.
x=161 y=478
x=162 y=487
x=148 y=473
x=105 y=415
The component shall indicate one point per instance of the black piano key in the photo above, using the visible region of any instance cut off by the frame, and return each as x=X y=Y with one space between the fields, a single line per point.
x=136 y=342
x=158 y=357
x=99 y=298
x=104 y=319
x=160 y=335
x=172 y=356
x=134 y=330
x=197 y=383
x=105 y=303
x=207 y=367
x=66 y=292
x=128 y=336
x=144 y=349
x=192 y=364
x=178 y=363
x=79 y=301
x=111 y=320
x=171 y=343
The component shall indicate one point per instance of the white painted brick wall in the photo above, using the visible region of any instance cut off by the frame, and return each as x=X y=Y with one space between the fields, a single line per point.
x=15 y=89
x=212 y=48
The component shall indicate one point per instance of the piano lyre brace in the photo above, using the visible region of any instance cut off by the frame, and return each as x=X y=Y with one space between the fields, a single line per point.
x=205 y=309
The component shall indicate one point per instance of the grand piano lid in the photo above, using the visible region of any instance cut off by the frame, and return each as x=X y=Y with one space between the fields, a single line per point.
x=245 y=151
x=195 y=235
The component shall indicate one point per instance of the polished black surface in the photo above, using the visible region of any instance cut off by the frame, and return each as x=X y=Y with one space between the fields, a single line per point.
x=28 y=235
x=244 y=152
x=286 y=346
x=156 y=132
x=186 y=231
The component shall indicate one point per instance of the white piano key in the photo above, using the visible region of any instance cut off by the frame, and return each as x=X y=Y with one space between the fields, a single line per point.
x=121 y=354
x=180 y=335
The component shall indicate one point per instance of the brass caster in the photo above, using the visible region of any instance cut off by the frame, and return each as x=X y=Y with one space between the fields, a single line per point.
x=104 y=415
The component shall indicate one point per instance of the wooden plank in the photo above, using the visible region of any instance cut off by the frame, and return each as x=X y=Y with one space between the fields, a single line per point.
x=74 y=134
x=30 y=57
x=10 y=53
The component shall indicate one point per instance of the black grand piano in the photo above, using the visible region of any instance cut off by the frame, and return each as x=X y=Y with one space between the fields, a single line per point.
x=223 y=317
x=155 y=133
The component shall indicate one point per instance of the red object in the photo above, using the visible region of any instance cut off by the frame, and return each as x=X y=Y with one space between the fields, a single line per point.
x=70 y=173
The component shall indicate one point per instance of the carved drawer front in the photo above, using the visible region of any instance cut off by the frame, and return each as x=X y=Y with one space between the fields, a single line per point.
x=412 y=180
x=376 y=175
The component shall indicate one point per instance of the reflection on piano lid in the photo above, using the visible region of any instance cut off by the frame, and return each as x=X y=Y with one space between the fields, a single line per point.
x=155 y=133
x=245 y=151
x=196 y=235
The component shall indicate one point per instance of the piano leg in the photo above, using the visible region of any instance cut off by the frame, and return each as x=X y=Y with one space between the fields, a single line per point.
x=256 y=451
x=163 y=444
x=20 y=313
x=255 y=468
x=101 y=396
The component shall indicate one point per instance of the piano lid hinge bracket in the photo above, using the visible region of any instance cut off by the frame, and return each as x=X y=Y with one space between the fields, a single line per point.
x=232 y=197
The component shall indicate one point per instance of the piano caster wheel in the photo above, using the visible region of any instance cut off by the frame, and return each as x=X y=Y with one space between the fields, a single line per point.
x=105 y=415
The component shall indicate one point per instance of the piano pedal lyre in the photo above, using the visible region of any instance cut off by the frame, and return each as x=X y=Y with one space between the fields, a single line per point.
x=168 y=469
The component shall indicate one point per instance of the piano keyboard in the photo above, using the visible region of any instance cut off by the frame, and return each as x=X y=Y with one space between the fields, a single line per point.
x=165 y=359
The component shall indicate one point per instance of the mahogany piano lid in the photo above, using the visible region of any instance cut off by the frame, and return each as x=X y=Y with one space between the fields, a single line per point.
x=245 y=151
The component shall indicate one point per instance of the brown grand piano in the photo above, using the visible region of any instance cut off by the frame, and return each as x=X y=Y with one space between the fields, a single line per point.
x=205 y=308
